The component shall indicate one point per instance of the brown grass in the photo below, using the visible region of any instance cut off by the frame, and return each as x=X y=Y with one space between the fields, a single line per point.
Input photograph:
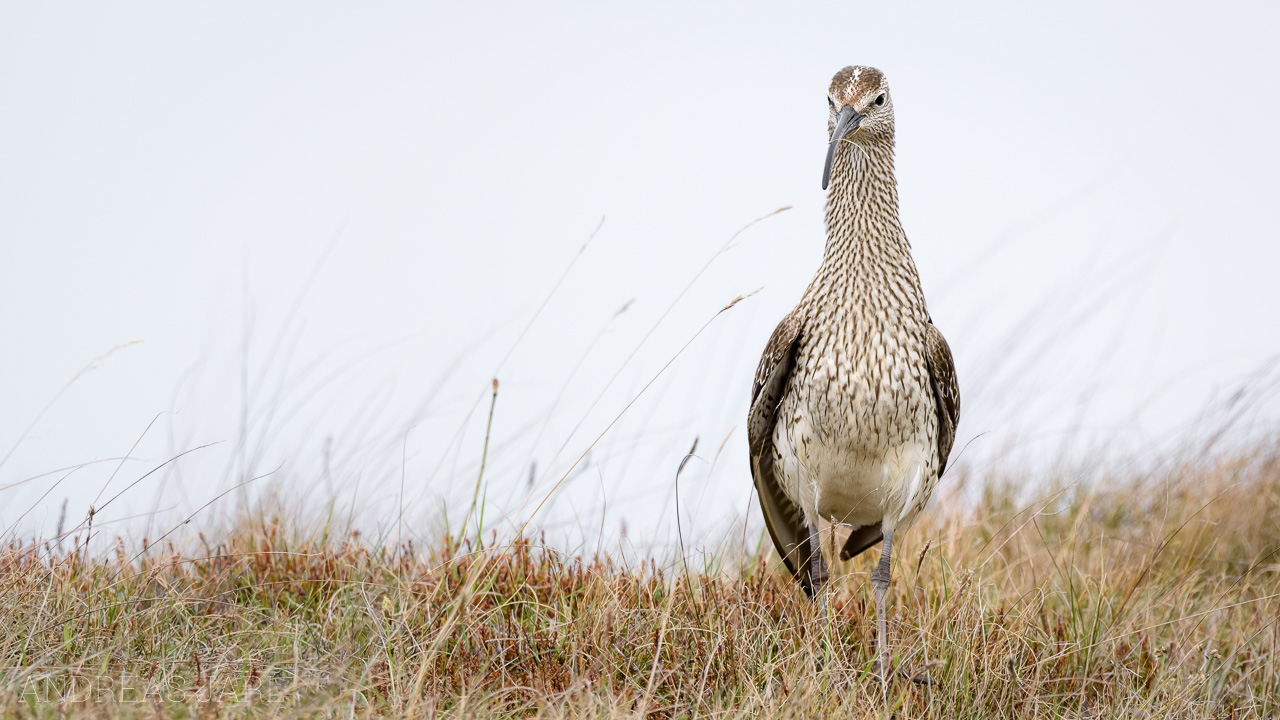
x=1151 y=595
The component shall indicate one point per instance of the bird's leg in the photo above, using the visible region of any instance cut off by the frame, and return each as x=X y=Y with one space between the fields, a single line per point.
x=817 y=567
x=818 y=583
x=880 y=581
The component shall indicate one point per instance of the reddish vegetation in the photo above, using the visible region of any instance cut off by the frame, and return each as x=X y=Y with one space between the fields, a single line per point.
x=1153 y=596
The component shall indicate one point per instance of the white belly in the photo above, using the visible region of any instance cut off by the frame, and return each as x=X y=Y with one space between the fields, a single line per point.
x=857 y=464
x=845 y=486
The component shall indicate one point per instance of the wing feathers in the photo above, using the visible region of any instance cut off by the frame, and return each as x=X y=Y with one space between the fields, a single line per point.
x=946 y=391
x=784 y=520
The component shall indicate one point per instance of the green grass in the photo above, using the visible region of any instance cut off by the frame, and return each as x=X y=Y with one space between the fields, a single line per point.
x=1145 y=596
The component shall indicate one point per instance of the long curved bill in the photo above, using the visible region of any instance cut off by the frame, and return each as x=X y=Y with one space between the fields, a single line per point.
x=846 y=122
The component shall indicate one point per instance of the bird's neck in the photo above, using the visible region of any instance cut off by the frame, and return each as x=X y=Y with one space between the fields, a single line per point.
x=862 y=207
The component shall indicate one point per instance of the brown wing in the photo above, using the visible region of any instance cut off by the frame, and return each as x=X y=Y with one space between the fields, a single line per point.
x=861 y=540
x=946 y=391
x=782 y=517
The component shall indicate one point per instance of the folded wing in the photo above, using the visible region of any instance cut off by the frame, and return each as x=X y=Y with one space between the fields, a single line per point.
x=782 y=517
x=946 y=391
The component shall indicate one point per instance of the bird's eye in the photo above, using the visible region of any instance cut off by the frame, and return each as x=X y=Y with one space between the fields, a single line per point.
x=880 y=100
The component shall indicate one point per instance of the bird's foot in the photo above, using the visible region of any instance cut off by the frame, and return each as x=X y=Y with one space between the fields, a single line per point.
x=878 y=670
x=879 y=675
x=921 y=678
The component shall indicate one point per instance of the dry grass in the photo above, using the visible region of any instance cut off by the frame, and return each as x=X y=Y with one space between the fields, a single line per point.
x=1147 y=596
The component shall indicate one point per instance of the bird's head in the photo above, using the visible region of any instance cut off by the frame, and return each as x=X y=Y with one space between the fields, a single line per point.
x=861 y=110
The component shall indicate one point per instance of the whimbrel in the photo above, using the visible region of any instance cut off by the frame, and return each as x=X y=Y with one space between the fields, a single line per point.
x=855 y=402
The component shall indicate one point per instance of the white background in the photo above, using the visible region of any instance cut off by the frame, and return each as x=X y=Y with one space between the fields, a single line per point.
x=328 y=225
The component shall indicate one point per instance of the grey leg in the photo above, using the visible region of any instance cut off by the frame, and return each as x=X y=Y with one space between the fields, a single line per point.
x=818 y=581
x=880 y=581
x=817 y=566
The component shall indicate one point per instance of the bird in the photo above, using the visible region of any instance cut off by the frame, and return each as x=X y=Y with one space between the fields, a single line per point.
x=855 y=401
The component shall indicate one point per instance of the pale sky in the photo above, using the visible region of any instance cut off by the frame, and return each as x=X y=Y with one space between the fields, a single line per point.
x=348 y=215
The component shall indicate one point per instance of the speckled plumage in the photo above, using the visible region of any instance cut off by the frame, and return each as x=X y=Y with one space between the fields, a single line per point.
x=855 y=401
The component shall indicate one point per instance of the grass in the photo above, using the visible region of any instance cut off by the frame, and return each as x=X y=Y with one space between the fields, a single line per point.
x=1143 y=595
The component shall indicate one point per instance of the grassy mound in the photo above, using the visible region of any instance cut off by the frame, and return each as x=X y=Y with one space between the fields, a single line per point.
x=1147 y=596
